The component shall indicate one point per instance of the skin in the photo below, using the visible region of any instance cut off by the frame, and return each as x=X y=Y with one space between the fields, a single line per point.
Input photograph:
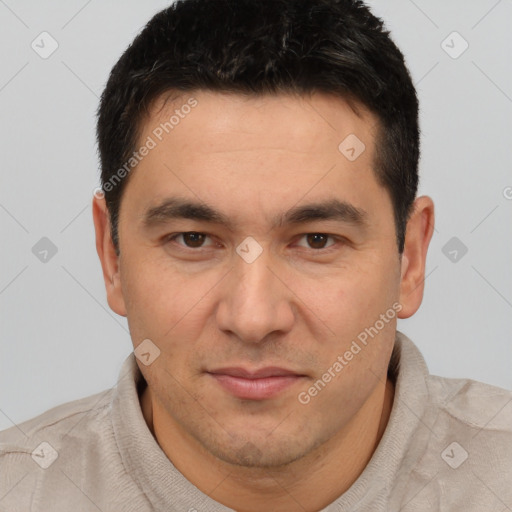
x=299 y=305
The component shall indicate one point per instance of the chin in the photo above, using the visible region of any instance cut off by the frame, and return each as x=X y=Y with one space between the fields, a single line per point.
x=260 y=452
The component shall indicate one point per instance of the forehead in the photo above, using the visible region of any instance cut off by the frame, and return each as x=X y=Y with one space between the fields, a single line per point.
x=253 y=136
x=301 y=122
x=267 y=151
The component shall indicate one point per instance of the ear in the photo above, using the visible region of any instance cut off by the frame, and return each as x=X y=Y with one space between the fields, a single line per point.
x=417 y=239
x=107 y=254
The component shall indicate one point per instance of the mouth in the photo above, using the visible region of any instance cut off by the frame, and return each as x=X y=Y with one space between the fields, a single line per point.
x=260 y=384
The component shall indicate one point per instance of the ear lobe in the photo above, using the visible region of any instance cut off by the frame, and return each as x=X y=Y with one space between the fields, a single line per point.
x=108 y=257
x=417 y=239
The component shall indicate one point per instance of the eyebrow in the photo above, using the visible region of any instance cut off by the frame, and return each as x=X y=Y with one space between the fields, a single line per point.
x=177 y=208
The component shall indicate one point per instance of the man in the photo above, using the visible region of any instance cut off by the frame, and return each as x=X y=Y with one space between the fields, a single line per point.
x=258 y=226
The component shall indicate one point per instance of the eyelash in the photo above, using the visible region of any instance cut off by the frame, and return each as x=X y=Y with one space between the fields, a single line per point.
x=174 y=236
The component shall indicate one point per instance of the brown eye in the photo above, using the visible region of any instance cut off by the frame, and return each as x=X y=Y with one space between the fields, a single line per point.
x=193 y=239
x=190 y=239
x=317 y=240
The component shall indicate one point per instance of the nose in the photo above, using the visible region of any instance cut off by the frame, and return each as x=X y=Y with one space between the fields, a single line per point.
x=255 y=301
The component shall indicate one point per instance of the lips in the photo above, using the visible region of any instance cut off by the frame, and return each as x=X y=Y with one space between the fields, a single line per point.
x=259 y=384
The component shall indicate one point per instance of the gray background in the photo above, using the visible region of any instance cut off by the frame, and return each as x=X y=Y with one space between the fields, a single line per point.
x=60 y=341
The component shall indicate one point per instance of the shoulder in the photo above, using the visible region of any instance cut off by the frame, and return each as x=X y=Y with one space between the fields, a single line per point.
x=475 y=405
x=467 y=454
x=43 y=461
x=466 y=404
x=66 y=422
x=458 y=454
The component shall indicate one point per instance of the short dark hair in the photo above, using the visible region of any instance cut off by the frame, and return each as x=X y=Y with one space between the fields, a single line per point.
x=256 y=47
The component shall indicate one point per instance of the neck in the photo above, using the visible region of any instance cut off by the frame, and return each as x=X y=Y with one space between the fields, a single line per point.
x=308 y=484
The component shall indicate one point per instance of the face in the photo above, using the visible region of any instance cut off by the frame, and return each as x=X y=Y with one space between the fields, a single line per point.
x=255 y=293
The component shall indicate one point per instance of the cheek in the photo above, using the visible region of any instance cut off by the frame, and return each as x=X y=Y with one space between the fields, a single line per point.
x=347 y=309
x=350 y=298
x=168 y=307
x=155 y=293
